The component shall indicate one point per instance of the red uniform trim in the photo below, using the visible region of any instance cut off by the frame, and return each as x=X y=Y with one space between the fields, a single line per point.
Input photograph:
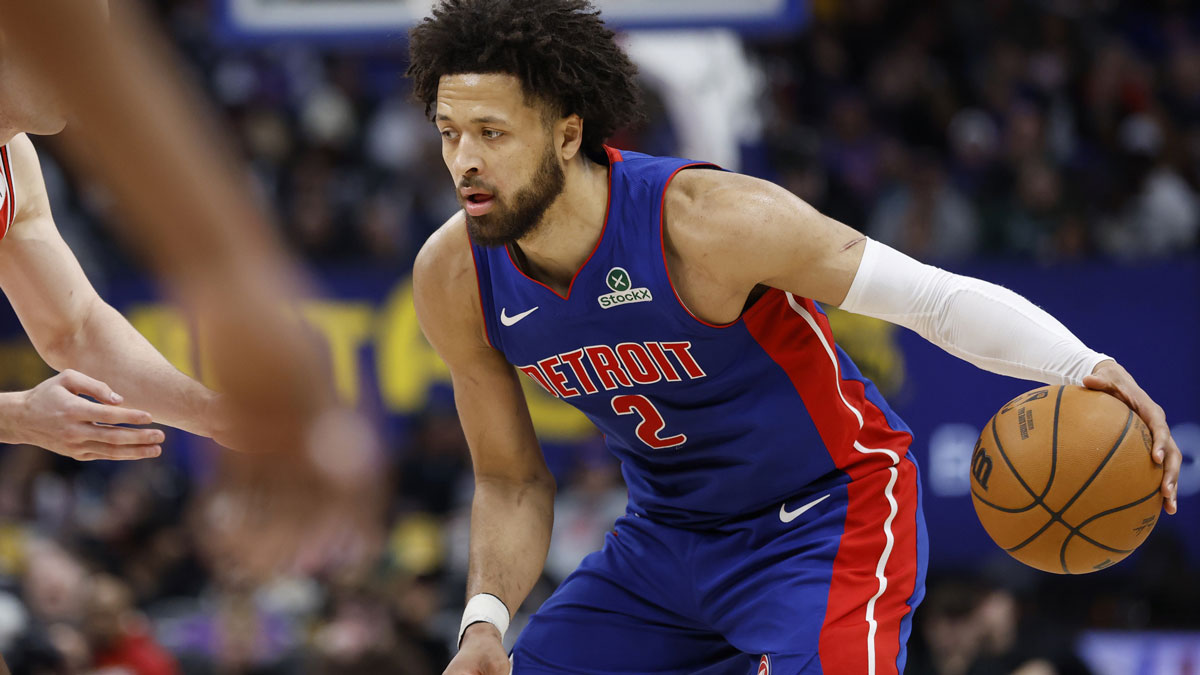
x=10 y=200
x=861 y=630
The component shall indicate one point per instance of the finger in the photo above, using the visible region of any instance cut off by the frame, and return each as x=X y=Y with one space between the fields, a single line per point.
x=1097 y=382
x=78 y=383
x=1156 y=420
x=92 y=451
x=1170 y=484
x=111 y=414
x=102 y=433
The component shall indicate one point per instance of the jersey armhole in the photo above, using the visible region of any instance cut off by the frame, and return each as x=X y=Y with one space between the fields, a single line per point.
x=483 y=310
x=662 y=244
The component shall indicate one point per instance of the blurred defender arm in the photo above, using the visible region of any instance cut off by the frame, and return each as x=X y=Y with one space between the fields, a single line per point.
x=513 y=508
x=72 y=327
x=136 y=126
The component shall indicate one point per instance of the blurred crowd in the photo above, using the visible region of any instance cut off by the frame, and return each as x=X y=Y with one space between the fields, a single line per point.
x=1055 y=130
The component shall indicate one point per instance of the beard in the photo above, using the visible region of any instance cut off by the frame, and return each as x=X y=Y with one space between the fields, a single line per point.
x=506 y=224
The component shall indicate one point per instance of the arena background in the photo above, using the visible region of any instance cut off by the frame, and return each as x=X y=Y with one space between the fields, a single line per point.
x=1052 y=147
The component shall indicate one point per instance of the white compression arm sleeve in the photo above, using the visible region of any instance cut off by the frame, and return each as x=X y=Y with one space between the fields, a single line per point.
x=982 y=323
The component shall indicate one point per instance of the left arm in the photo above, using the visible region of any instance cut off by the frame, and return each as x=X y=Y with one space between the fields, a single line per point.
x=72 y=327
x=767 y=236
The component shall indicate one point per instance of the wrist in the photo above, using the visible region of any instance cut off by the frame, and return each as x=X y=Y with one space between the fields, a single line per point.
x=481 y=630
x=1104 y=363
x=12 y=405
x=208 y=414
x=485 y=609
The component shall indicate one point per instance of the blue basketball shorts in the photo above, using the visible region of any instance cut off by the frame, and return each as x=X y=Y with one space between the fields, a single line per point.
x=826 y=583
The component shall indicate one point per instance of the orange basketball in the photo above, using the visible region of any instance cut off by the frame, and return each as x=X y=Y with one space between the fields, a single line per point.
x=1063 y=480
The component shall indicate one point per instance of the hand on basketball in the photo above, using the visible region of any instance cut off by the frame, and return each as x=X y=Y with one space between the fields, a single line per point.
x=481 y=653
x=52 y=415
x=1111 y=378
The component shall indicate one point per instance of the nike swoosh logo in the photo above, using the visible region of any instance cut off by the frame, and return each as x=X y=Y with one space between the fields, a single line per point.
x=512 y=320
x=788 y=516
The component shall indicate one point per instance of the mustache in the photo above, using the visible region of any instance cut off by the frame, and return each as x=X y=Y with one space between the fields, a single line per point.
x=477 y=184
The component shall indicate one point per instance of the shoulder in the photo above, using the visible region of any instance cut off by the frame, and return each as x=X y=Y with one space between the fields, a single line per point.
x=740 y=216
x=445 y=259
x=445 y=287
x=725 y=206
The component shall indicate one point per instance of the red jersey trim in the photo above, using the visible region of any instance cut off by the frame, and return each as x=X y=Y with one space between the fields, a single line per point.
x=10 y=200
x=600 y=240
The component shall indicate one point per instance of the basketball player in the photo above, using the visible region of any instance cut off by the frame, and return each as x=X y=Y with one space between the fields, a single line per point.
x=73 y=329
x=774 y=520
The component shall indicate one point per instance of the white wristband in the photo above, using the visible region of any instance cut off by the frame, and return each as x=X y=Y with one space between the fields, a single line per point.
x=484 y=607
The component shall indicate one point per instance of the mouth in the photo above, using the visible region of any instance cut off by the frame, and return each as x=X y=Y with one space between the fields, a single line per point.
x=477 y=202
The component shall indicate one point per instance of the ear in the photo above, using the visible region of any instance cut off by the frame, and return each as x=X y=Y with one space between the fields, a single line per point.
x=569 y=135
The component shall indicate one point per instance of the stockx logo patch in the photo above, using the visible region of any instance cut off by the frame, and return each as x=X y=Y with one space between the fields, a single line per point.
x=623 y=291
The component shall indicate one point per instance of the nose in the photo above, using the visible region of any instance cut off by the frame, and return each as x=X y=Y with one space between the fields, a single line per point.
x=467 y=160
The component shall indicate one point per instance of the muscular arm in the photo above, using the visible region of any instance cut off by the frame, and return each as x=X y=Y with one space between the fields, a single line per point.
x=70 y=325
x=513 y=507
x=777 y=240
x=727 y=234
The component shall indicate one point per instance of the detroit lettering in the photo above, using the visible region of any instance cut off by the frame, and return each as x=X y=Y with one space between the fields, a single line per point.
x=587 y=370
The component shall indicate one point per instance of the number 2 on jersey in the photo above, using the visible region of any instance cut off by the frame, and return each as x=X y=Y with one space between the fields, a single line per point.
x=649 y=429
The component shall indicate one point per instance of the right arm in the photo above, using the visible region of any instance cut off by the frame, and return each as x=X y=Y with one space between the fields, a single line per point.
x=513 y=508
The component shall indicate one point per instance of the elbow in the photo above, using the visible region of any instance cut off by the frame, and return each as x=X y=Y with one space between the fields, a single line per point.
x=60 y=349
x=538 y=483
x=64 y=343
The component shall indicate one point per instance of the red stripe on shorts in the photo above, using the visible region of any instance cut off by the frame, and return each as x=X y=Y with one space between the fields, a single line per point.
x=803 y=350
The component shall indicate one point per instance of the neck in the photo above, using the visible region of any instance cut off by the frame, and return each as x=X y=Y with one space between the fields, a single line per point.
x=570 y=228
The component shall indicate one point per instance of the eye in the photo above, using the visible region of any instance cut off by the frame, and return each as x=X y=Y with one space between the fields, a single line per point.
x=449 y=134
x=492 y=134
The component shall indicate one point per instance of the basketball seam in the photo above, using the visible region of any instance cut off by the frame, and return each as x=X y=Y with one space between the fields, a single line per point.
x=999 y=508
x=1053 y=463
x=1056 y=516
x=1078 y=531
x=1062 y=556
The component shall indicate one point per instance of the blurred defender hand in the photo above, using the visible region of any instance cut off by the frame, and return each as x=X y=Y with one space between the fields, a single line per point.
x=54 y=416
x=315 y=509
x=481 y=653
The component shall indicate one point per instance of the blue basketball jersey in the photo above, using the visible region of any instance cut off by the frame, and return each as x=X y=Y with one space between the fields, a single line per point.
x=711 y=423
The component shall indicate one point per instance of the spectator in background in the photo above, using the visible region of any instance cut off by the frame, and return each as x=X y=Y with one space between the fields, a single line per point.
x=927 y=217
x=1158 y=213
x=971 y=628
x=119 y=637
x=1038 y=222
x=851 y=155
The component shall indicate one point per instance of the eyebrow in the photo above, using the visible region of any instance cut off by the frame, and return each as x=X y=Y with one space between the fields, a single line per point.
x=487 y=119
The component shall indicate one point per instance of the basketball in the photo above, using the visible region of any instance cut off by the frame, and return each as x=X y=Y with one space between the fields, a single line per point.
x=1063 y=480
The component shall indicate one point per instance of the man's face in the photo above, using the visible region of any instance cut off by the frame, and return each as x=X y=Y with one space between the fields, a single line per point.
x=501 y=154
